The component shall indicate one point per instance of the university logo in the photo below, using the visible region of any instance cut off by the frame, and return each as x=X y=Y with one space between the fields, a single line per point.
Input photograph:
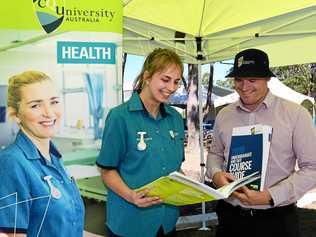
x=50 y=13
x=239 y=61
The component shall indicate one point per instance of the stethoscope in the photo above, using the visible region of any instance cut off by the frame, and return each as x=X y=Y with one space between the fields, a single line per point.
x=141 y=145
x=54 y=192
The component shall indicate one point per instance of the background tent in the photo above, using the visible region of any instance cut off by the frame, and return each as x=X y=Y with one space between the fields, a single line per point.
x=276 y=87
x=213 y=30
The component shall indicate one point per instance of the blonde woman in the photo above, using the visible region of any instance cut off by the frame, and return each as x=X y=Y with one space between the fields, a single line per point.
x=142 y=141
x=37 y=197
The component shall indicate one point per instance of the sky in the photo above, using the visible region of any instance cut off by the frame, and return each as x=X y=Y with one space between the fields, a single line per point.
x=134 y=64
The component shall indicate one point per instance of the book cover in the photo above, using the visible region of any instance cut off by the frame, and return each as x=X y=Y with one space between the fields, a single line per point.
x=249 y=152
x=179 y=190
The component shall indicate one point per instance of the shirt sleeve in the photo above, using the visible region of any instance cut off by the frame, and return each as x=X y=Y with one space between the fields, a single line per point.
x=303 y=179
x=215 y=157
x=15 y=199
x=113 y=141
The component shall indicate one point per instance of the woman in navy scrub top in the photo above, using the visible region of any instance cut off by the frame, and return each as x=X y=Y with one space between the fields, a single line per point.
x=37 y=197
x=142 y=141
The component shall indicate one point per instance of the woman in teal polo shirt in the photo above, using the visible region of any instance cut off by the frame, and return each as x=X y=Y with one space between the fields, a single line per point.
x=37 y=197
x=142 y=141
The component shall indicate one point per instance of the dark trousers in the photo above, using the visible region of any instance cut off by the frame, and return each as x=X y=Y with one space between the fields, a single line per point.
x=159 y=234
x=273 y=222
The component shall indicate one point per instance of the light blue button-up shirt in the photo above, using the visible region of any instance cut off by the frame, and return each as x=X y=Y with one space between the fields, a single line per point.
x=26 y=203
x=163 y=154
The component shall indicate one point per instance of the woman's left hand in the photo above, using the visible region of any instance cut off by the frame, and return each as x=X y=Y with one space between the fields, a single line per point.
x=140 y=199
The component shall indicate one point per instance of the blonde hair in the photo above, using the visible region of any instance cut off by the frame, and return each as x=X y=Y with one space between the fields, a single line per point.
x=157 y=61
x=18 y=81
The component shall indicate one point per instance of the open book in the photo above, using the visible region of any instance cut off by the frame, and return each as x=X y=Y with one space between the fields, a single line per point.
x=249 y=152
x=178 y=189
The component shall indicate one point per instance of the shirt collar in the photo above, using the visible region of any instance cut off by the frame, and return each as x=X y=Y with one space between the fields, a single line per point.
x=269 y=99
x=136 y=104
x=30 y=150
x=267 y=102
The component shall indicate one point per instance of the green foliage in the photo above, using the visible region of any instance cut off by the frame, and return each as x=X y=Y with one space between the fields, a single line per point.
x=205 y=78
x=227 y=83
x=300 y=78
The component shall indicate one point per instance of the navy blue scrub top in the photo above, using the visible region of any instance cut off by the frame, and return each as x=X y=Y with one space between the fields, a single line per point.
x=164 y=154
x=22 y=172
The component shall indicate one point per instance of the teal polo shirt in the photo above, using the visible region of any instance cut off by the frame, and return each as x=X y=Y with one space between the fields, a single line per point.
x=37 y=213
x=164 y=154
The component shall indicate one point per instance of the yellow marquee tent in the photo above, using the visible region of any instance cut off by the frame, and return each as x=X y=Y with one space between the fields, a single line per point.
x=205 y=31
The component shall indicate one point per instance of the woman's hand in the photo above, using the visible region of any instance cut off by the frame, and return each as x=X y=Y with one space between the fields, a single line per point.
x=140 y=199
x=113 y=180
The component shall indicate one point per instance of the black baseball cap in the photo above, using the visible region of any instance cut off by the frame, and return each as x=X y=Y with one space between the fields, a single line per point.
x=251 y=63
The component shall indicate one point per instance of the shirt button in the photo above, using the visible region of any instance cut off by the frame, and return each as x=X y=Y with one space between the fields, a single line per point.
x=73 y=223
x=61 y=181
x=157 y=131
x=164 y=168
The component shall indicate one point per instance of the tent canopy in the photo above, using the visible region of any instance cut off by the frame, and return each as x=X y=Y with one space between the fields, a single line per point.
x=276 y=87
x=204 y=31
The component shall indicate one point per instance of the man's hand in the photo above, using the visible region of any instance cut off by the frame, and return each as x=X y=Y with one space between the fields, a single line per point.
x=250 y=197
x=140 y=199
x=222 y=178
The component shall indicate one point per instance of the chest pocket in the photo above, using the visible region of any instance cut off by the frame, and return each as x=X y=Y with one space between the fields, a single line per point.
x=175 y=144
x=43 y=199
x=41 y=188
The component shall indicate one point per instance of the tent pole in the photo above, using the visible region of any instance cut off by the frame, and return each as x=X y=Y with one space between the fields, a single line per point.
x=202 y=164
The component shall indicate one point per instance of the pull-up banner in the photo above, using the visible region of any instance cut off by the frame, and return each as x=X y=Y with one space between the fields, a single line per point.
x=62 y=15
x=78 y=44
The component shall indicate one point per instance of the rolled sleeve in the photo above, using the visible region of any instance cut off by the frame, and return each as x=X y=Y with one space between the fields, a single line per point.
x=113 y=141
x=302 y=180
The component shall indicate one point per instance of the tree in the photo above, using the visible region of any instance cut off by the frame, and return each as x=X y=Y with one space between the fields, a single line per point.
x=227 y=83
x=123 y=64
x=205 y=79
x=193 y=108
x=209 y=106
x=301 y=78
